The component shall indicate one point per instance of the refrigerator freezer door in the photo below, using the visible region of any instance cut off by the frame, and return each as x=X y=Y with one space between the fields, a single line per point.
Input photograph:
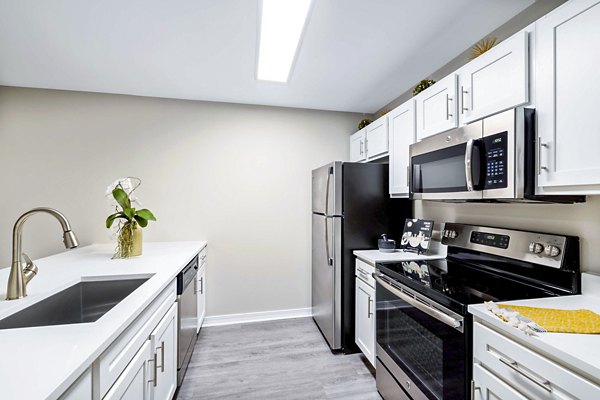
x=327 y=189
x=326 y=277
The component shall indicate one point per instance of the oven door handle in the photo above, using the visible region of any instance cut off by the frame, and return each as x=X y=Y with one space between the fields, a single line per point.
x=468 y=165
x=427 y=309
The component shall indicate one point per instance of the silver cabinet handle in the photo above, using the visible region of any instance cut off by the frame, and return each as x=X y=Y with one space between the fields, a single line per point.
x=462 y=100
x=202 y=285
x=361 y=147
x=370 y=310
x=162 y=356
x=155 y=370
x=448 y=100
x=540 y=166
x=468 y=162
x=421 y=305
x=544 y=384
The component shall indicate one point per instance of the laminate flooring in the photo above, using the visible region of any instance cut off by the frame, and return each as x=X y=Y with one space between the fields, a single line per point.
x=285 y=359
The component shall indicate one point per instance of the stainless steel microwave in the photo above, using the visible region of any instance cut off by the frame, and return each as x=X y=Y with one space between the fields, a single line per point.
x=488 y=160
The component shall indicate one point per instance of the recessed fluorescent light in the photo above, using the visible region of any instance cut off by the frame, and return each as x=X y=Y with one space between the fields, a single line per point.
x=281 y=26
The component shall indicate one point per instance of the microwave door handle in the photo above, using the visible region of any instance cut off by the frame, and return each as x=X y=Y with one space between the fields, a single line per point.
x=468 y=165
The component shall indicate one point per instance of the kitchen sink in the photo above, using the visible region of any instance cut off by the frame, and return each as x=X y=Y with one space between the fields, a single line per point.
x=83 y=302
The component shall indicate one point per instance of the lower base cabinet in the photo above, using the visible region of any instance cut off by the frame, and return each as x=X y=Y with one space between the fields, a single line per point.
x=364 y=311
x=135 y=383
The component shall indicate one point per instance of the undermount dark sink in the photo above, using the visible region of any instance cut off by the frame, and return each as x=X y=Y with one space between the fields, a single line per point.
x=83 y=302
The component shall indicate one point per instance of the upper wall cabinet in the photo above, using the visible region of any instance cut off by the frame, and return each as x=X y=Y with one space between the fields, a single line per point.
x=402 y=135
x=377 y=138
x=495 y=81
x=358 y=146
x=567 y=89
x=436 y=108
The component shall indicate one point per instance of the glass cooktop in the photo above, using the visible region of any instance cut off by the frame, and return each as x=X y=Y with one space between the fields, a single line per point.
x=456 y=285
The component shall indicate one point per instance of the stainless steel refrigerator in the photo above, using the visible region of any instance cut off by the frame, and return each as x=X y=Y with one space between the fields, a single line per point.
x=351 y=207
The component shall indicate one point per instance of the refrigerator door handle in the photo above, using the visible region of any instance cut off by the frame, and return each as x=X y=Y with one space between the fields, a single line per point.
x=329 y=259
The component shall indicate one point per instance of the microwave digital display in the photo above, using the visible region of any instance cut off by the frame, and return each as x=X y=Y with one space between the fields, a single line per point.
x=496 y=172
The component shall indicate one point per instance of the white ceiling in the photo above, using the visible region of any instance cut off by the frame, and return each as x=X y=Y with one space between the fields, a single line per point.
x=356 y=55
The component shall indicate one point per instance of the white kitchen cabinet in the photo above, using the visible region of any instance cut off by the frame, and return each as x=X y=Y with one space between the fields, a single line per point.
x=436 y=108
x=135 y=383
x=496 y=80
x=377 y=138
x=567 y=88
x=164 y=343
x=201 y=290
x=486 y=386
x=402 y=135
x=364 y=311
x=358 y=146
x=81 y=389
x=525 y=370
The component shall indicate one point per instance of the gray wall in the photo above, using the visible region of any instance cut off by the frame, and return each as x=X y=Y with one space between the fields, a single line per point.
x=237 y=176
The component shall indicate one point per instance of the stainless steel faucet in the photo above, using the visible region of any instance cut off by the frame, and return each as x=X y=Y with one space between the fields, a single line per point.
x=23 y=272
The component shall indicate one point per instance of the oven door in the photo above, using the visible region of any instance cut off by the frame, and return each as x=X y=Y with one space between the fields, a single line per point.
x=448 y=166
x=421 y=343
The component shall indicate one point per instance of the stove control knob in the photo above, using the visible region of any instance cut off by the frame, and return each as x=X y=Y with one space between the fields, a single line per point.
x=551 y=251
x=535 y=248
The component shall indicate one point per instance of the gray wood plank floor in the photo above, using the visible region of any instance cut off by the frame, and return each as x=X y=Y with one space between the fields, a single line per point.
x=286 y=359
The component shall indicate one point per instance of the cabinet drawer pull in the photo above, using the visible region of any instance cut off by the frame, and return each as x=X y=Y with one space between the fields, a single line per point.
x=162 y=356
x=448 y=100
x=544 y=384
x=540 y=166
x=154 y=369
x=370 y=310
x=462 y=100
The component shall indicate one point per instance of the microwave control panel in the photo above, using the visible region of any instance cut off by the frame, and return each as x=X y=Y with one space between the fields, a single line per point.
x=495 y=149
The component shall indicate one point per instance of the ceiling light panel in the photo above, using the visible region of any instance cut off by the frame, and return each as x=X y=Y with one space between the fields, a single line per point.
x=281 y=26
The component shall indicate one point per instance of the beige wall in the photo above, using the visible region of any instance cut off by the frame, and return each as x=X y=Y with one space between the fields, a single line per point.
x=237 y=176
x=581 y=220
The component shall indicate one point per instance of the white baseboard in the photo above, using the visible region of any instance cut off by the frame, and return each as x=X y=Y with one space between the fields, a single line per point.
x=230 y=319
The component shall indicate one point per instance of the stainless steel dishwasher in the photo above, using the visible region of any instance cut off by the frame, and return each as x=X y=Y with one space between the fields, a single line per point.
x=187 y=316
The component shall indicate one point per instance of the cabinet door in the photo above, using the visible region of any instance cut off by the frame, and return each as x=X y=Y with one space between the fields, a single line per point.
x=436 y=108
x=358 y=146
x=495 y=81
x=377 y=138
x=135 y=383
x=487 y=386
x=201 y=295
x=567 y=89
x=402 y=135
x=164 y=343
x=81 y=389
x=364 y=320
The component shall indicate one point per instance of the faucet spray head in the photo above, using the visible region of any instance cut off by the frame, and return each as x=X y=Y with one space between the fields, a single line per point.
x=70 y=240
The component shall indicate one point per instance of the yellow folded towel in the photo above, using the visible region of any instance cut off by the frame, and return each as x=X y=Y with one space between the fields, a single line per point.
x=565 y=321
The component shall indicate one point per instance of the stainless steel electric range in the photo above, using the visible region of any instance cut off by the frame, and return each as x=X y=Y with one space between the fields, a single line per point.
x=424 y=332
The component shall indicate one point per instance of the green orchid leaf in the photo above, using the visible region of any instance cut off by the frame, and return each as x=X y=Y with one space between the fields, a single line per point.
x=146 y=214
x=111 y=218
x=129 y=212
x=122 y=198
x=141 y=221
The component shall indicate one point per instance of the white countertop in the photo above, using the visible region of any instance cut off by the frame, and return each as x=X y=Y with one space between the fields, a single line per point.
x=42 y=362
x=579 y=352
x=436 y=252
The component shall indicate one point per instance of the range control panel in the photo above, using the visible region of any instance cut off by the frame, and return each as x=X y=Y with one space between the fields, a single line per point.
x=540 y=248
